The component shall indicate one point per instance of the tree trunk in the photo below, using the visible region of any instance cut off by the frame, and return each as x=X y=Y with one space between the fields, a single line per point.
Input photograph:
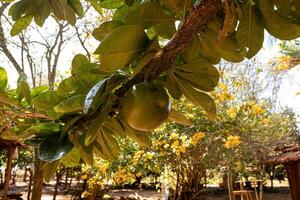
x=38 y=178
x=261 y=185
x=58 y=177
x=229 y=184
x=10 y=151
x=29 y=184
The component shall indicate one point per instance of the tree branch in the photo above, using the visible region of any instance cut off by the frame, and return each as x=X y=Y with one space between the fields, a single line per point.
x=3 y=41
x=162 y=61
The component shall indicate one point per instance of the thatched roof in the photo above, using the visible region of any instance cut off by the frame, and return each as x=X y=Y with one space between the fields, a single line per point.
x=290 y=153
x=4 y=144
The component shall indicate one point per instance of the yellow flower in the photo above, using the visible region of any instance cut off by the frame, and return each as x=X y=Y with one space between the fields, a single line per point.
x=175 y=144
x=85 y=194
x=181 y=149
x=257 y=110
x=84 y=177
x=174 y=136
x=139 y=174
x=197 y=137
x=266 y=121
x=231 y=112
x=232 y=141
x=104 y=167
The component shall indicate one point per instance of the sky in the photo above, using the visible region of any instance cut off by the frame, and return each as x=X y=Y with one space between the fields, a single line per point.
x=290 y=84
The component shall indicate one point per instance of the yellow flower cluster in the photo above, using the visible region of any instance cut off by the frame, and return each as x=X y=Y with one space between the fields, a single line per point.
x=137 y=156
x=232 y=141
x=122 y=176
x=178 y=147
x=224 y=95
x=258 y=110
x=231 y=112
x=197 y=137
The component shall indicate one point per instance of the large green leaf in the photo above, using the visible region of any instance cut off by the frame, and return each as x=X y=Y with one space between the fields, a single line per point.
x=47 y=128
x=277 y=25
x=3 y=79
x=198 y=73
x=173 y=88
x=47 y=100
x=201 y=47
x=53 y=148
x=105 y=28
x=72 y=159
x=77 y=61
x=50 y=170
x=140 y=137
x=109 y=147
x=179 y=118
x=95 y=127
x=38 y=90
x=71 y=105
x=121 y=46
x=95 y=98
x=21 y=24
x=86 y=74
x=147 y=15
x=250 y=32
x=197 y=97
x=76 y=5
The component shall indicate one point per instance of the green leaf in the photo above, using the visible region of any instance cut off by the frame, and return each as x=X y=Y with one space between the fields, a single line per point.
x=144 y=61
x=250 y=32
x=3 y=79
x=70 y=15
x=21 y=24
x=50 y=170
x=200 y=47
x=95 y=98
x=178 y=7
x=76 y=5
x=179 y=118
x=277 y=25
x=109 y=145
x=86 y=74
x=38 y=90
x=53 y=148
x=108 y=4
x=72 y=159
x=165 y=30
x=140 y=137
x=77 y=61
x=71 y=105
x=47 y=128
x=173 y=88
x=105 y=28
x=23 y=90
x=47 y=100
x=147 y=15
x=94 y=128
x=131 y=41
x=197 y=97
x=198 y=73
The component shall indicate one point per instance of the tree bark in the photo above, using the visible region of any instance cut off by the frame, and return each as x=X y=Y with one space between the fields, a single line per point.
x=229 y=183
x=8 y=170
x=37 y=189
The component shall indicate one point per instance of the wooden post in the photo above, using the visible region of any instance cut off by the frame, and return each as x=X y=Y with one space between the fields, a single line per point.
x=293 y=171
x=8 y=170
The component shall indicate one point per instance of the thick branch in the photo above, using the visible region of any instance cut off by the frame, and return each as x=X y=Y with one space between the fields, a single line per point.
x=162 y=61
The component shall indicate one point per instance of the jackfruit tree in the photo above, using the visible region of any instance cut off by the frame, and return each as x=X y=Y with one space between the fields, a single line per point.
x=150 y=52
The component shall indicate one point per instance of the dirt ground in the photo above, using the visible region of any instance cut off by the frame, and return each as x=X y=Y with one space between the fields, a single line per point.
x=155 y=195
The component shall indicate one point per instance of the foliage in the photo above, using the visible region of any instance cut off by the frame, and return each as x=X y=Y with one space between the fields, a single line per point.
x=82 y=113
